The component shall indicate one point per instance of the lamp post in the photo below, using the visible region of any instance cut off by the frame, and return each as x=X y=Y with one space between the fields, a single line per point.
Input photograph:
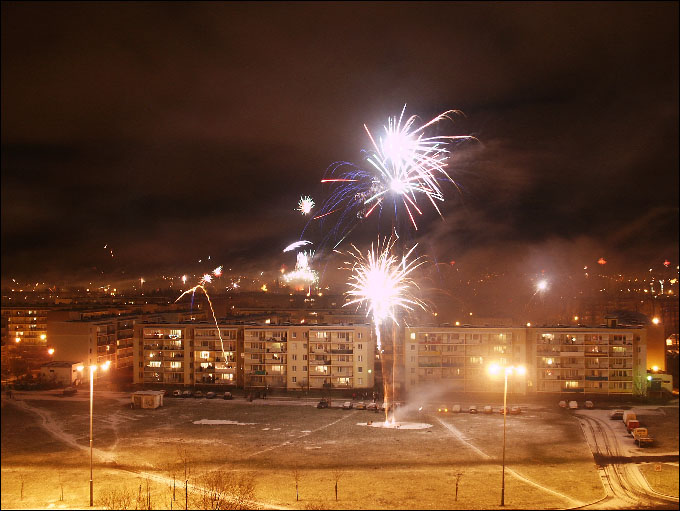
x=493 y=369
x=93 y=368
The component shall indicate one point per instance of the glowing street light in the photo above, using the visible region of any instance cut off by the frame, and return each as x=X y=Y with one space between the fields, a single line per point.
x=656 y=320
x=93 y=368
x=495 y=369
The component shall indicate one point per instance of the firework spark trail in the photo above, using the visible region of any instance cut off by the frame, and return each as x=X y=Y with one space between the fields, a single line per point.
x=297 y=244
x=382 y=282
x=219 y=332
x=207 y=278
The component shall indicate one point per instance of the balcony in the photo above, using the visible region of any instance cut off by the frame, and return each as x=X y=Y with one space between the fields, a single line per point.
x=342 y=352
x=597 y=378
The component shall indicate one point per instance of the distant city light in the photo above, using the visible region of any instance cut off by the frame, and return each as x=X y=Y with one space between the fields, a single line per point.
x=656 y=321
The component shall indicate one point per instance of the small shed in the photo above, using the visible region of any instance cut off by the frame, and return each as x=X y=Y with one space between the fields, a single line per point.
x=61 y=372
x=147 y=399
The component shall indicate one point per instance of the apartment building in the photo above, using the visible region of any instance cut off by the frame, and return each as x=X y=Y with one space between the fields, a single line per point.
x=603 y=360
x=99 y=335
x=257 y=356
x=600 y=360
x=27 y=324
x=458 y=358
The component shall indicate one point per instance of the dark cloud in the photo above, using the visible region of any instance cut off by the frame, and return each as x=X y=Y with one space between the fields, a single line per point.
x=175 y=130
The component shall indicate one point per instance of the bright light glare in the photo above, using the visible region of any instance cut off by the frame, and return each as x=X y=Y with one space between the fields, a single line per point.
x=494 y=369
x=542 y=285
x=50 y=351
x=521 y=370
x=655 y=368
x=80 y=368
x=656 y=321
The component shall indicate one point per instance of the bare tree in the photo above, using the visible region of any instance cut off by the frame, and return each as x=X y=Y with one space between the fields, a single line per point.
x=183 y=456
x=337 y=474
x=225 y=490
x=296 y=476
x=457 y=475
x=113 y=498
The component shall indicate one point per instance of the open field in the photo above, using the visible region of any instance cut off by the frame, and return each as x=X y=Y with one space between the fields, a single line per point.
x=548 y=462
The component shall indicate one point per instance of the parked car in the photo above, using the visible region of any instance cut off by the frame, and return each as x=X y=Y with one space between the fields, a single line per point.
x=443 y=409
x=227 y=395
x=176 y=393
x=372 y=406
x=472 y=409
x=589 y=404
x=187 y=393
x=515 y=410
x=347 y=405
x=198 y=394
x=563 y=404
x=616 y=414
x=210 y=395
x=573 y=405
x=323 y=403
x=360 y=405
x=69 y=391
x=488 y=409
x=501 y=410
x=455 y=409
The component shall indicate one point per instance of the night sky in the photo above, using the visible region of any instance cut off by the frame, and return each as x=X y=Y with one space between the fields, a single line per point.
x=173 y=131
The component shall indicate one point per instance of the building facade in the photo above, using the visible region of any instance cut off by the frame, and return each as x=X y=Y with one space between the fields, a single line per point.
x=263 y=356
x=602 y=360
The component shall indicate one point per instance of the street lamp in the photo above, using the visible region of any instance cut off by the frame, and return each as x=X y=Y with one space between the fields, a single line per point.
x=494 y=369
x=93 y=368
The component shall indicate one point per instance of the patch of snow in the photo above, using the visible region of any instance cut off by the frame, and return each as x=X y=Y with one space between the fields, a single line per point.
x=218 y=421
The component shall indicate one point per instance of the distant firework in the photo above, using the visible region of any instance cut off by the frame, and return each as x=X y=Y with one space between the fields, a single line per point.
x=602 y=261
x=305 y=205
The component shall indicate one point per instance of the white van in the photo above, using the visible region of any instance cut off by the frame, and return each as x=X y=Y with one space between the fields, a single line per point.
x=573 y=405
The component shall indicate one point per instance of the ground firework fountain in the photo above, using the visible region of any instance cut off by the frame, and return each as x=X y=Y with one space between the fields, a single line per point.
x=381 y=281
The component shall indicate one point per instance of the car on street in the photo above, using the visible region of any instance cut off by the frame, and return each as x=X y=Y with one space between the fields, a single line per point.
x=187 y=393
x=347 y=405
x=589 y=404
x=573 y=405
x=198 y=394
x=443 y=409
x=501 y=410
x=322 y=404
x=616 y=414
x=372 y=406
x=455 y=409
x=176 y=393
x=360 y=405
x=69 y=391
x=210 y=395
x=227 y=395
x=472 y=409
x=515 y=410
x=488 y=409
x=563 y=404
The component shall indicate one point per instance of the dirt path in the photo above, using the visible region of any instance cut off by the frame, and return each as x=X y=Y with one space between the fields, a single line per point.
x=459 y=435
